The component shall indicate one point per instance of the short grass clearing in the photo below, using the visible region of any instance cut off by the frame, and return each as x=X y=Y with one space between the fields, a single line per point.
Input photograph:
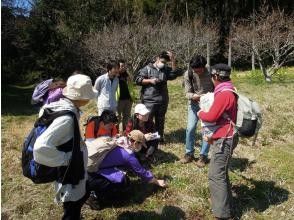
x=262 y=176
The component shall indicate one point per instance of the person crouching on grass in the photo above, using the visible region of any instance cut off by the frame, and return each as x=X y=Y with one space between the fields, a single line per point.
x=106 y=176
x=106 y=126
x=223 y=112
x=50 y=147
x=141 y=121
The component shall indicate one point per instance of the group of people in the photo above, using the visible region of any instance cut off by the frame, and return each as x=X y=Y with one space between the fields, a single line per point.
x=107 y=153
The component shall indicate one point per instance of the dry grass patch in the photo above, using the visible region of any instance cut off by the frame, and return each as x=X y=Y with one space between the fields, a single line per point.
x=262 y=176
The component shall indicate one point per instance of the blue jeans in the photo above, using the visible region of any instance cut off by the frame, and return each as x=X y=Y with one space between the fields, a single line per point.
x=191 y=131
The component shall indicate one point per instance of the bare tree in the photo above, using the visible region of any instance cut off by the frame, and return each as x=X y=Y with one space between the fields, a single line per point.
x=139 y=41
x=273 y=37
x=197 y=38
x=132 y=42
x=188 y=38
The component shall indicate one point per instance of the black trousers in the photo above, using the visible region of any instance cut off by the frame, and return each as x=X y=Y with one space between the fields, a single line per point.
x=103 y=187
x=72 y=210
x=150 y=144
x=158 y=112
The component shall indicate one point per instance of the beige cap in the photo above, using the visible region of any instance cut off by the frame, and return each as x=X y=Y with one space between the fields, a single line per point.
x=79 y=87
x=138 y=136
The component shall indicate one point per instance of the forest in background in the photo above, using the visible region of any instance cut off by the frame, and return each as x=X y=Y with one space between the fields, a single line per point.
x=42 y=38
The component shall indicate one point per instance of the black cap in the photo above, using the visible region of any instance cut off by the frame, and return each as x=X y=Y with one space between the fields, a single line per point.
x=221 y=69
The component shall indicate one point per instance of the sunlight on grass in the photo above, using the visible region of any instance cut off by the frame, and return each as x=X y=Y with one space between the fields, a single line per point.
x=262 y=176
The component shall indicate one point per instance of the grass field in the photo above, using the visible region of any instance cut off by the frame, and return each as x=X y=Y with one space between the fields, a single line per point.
x=262 y=176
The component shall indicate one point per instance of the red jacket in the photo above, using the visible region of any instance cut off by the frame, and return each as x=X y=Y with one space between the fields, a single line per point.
x=224 y=102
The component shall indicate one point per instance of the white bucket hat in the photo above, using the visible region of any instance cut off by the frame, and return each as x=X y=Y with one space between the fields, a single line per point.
x=79 y=87
x=141 y=109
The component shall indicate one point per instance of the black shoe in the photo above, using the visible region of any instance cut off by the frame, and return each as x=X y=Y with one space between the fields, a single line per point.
x=93 y=202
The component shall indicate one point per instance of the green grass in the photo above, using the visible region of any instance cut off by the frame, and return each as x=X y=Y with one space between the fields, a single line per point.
x=262 y=176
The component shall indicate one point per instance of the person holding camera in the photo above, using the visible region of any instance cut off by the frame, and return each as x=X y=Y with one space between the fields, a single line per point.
x=154 y=93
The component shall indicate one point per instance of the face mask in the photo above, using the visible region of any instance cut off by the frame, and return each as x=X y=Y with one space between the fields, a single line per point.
x=160 y=65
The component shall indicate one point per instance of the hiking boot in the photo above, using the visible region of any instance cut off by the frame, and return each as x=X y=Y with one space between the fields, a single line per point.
x=187 y=159
x=93 y=202
x=202 y=161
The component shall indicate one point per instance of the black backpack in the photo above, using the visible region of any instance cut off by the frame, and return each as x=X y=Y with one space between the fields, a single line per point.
x=39 y=173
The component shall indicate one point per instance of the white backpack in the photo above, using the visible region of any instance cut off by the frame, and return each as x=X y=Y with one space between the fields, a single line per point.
x=249 y=117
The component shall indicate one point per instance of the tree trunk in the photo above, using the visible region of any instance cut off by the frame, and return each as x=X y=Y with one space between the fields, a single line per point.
x=230 y=54
x=266 y=75
x=253 y=61
x=208 y=53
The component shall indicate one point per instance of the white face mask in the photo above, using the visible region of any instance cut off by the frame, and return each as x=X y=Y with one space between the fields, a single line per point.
x=160 y=65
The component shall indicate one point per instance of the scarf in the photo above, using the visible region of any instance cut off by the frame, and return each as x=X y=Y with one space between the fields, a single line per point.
x=223 y=86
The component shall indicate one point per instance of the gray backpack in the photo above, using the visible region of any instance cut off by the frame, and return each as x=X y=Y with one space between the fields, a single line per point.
x=249 y=117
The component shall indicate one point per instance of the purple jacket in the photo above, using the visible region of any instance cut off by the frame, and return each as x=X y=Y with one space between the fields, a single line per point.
x=119 y=157
x=43 y=95
x=53 y=95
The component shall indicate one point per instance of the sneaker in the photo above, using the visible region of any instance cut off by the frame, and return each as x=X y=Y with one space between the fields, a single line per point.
x=202 y=161
x=187 y=159
x=93 y=202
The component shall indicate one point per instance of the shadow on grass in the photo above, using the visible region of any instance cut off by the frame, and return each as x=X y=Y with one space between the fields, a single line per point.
x=257 y=195
x=176 y=136
x=17 y=100
x=136 y=193
x=179 y=136
x=158 y=158
x=240 y=164
x=164 y=157
x=165 y=213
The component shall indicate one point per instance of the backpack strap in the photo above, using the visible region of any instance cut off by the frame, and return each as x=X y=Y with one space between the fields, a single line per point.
x=49 y=116
x=77 y=167
x=226 y=116
x=190 y=76
x=232 y=90
x=75 y=170
x=191 y=79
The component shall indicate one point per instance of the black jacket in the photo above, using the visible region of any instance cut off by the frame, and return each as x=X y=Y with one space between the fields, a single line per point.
x=157 y=94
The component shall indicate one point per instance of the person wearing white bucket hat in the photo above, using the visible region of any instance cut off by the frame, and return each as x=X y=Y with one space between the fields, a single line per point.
x=56 y=146
x=79 y=87
x=141 y=121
